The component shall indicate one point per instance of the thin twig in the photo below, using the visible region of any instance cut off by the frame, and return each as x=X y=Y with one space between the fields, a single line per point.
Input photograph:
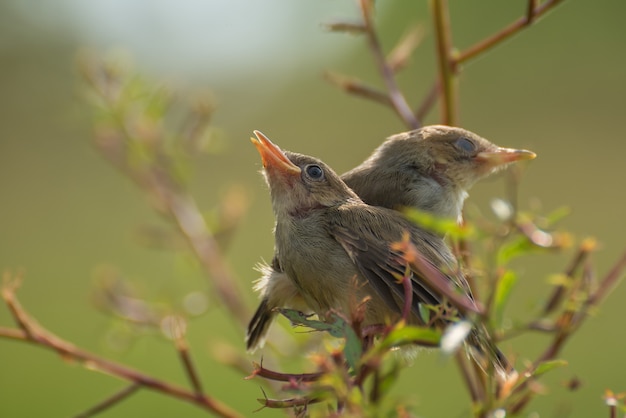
x=530 y=11
x=110 y=401
x=436 y=279
x=180 y=208
x=581 y=256
x=259 y=370
x=375 y=391
x=288 y=403
x=608 y=283
x=43 y=338
x=533 y=12
x=446 y=63
x=13 y=334
x=475 y=391
x=515 y=27
x=342 y=26
x=398 y=100
x=358 y=88
x=189 y=220
x=407 y=286
x=399 y=56
x=158 y=179
x=572 y=320
x=192 y=374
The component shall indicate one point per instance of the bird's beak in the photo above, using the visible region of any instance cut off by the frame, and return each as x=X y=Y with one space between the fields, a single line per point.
x=273 y=158
x=501 y=156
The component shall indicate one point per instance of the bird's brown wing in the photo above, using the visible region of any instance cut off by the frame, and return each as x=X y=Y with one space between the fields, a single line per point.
x=381 y=267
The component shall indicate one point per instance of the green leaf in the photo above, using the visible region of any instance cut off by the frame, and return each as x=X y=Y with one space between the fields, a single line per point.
x=557 y=215
x=517 y=246
x=336 y=326
x=501 y=297
x=424 y=312
x=353 y=348
x=549 y=365
x=439 y=225
x=403 y=335
x=300 y=318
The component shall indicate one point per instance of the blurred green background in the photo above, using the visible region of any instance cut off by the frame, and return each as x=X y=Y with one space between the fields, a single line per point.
x=558 y=89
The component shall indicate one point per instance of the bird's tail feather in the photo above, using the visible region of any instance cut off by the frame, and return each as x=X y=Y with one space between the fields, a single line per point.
x=258 y=326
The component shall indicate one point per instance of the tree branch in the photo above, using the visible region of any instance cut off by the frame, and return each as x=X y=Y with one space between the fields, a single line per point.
x=33 y=333
x=533 y=13
x=398 y=100
x=447 y=67
x=110 y=401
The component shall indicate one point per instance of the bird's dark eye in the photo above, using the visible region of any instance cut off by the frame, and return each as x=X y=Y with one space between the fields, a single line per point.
x=314 y=172
x=465 y=145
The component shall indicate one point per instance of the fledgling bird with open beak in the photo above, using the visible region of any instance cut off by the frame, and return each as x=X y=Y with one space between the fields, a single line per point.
x=429 y=169
x=325 y=236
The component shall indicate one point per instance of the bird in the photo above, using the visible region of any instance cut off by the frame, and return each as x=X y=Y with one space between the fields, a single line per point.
x=429 y=169
x=326 y=236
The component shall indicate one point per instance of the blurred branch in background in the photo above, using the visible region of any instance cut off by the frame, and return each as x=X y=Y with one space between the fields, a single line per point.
x=133 y=131
x=30 y=331
x=386 y=68
x=449 y=60
x=133 y=134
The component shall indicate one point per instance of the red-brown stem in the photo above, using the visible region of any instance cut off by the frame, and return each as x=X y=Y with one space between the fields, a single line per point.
x=288 y=403
x=530 y=11
x=559 y=291
x=407 y=286
x=446 y=63
x=608 y=283
x=438 y=281
x=192 y=374
x=358 y=88
x=570 y=321
x=259 y=370
x=507 y=32
x=398 y=100
x=110 y=401
x=469 y=377
x=446 y=59
x=43 y=338
x=94 y=362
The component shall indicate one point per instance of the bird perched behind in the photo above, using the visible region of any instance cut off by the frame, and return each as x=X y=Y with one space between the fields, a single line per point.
x=430 y=169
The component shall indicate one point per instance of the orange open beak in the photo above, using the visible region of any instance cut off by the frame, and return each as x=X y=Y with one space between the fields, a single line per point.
x=273 y=157
x=502 y=156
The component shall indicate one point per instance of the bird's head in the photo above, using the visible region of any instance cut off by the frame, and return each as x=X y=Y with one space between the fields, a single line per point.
x=452 y=156
x=299 y=183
